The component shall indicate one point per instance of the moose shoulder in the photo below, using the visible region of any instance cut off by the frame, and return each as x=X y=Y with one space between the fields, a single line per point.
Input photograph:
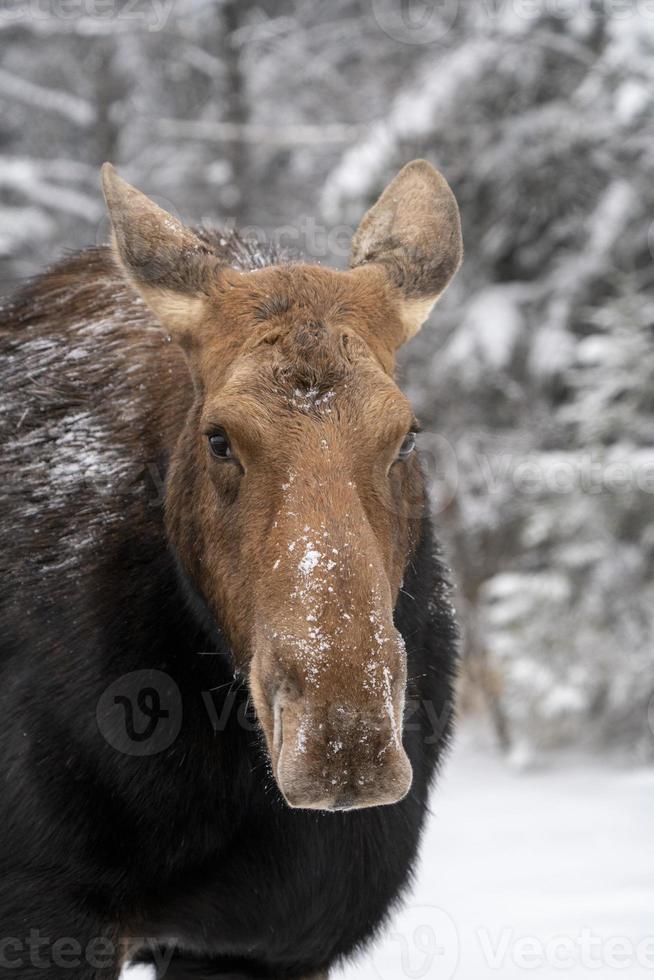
x=226 y=636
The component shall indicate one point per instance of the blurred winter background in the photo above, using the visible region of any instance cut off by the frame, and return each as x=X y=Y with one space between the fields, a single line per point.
x=534 y=378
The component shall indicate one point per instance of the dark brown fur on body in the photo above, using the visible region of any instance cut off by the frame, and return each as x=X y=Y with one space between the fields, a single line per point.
x=271 y=582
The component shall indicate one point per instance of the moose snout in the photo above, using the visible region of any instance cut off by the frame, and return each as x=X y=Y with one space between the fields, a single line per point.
x=339 y=757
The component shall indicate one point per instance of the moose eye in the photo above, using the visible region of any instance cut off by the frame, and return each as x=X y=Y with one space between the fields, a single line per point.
x=220 y=446
x=407 y=446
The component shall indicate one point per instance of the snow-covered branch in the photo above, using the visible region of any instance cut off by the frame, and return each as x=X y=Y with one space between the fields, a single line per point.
x=76 y=110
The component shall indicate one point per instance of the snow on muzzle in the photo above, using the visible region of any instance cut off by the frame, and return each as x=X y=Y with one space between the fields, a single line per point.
x=334 y=730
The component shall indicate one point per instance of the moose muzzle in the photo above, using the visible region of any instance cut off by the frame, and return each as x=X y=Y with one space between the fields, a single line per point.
x=338 y=757
x=333 y=721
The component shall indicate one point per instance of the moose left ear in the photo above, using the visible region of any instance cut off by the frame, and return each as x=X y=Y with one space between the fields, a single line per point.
x=169 y=265
x=412 y=234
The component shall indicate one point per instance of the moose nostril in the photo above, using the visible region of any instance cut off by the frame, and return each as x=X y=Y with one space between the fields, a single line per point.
x=290 y=688
x=283 y=688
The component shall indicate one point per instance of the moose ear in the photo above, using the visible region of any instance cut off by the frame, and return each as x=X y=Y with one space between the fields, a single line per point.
x=412 y=234
x=169 y=265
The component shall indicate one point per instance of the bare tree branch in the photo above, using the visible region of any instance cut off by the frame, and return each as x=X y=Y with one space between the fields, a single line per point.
x=77 y=110
x=294 y=135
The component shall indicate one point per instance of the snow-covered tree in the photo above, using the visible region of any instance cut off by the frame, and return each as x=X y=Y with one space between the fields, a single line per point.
x=541 y=380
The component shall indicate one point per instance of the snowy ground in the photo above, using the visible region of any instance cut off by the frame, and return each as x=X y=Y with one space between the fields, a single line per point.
x=533 y=874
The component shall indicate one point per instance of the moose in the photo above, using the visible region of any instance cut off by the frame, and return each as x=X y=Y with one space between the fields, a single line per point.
x=212 y=497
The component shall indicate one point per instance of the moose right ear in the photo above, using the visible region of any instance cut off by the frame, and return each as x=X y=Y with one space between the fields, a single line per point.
x=412 y=236
x=169 y=265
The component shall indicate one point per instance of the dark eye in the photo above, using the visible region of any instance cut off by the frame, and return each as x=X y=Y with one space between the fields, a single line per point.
x=407 y=446
x=220 y=446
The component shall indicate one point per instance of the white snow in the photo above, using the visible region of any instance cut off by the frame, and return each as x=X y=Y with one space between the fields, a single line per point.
x=71 y=107
x=301 y=736
x=631 y=99
x=390 y=709
x=412 y=114
x=544 y=873
x=490 y=333
x=137 y=973
x=309 y=560
x=36 y=181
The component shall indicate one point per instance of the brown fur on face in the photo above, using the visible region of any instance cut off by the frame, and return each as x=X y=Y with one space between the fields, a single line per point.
x=299 y=541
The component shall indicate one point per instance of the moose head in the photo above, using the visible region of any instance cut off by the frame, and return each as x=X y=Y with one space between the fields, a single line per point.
x=292 y=488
